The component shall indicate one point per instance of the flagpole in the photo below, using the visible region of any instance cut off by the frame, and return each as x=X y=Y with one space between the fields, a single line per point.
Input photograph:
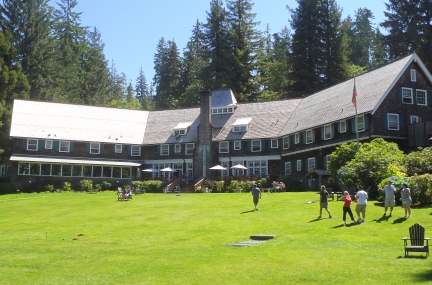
x=356 y=120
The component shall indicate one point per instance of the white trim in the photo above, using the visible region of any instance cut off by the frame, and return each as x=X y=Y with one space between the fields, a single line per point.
x=35 y=145
x=227 y=147
x=177 y=145
x=271 y=143
x=250 y=158
x=388 y=122
x=167 y=149
x=93 y=148
x=425 y=98
x=189 y=151
x=413 y=75
x=167 y=161
x=239 y=145
x=252 y=146
x=50 y=146
x=139 y=150
x=72 y=161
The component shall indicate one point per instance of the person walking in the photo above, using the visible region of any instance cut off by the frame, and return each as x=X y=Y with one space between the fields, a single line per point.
x=361 y=197
x=347 y=207
x=406 y=200
x=389 y=192
x=324 y=202
x=256 y=194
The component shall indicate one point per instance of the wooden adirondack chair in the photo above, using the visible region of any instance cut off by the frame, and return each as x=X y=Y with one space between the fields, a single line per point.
x=417 y=238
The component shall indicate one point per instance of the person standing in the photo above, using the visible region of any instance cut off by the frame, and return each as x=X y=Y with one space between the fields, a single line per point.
x=347 y=207
x=361 y=197
x=324 y=202
x=389 y=192
x=406 y=200
x=256 y=194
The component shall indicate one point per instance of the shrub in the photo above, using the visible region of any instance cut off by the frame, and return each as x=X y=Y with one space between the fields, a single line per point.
x=86 y=185
x=153 y=186
x=98 y=187
x=50 y=188
x=67 y=186
x=421 y=188
x=220 y=186
x=106 y=185
x=7 y=188
x=263 y=183
x=247 y=185
x=233 y=186
x=138 y=184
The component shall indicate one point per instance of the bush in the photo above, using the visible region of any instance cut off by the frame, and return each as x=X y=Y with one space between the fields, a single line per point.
x=67 y=186
x=421 y=188
x=86 y=185
x=98 y=187
x=106 y=185
x=138 y=184
x=247 y=185
x=7 y=188
x=235 y=184
x=263 y=183
x=153 y=186
x=49 y=188
x=220 y=186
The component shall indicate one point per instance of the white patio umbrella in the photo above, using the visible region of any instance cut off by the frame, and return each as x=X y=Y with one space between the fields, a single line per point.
x=149 y=170
x=168 y=169
x=217 y=167
x=239 y=167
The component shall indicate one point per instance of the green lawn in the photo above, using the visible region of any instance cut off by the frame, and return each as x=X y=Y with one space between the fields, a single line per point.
x=78 y=238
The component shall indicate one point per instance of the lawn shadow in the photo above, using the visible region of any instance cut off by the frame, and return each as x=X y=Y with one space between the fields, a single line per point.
x=247 y=212
x=379 y=204
x=347 y=226
x=382 y=219
x=399 y=220
x=314 y=220
x=415 y=257
x=423 y=277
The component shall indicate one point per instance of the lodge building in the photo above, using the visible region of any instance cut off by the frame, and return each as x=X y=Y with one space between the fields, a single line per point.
x=55 y=142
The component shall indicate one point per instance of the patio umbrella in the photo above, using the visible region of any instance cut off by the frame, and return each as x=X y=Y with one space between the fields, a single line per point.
x=149 y=170
x=168 y=169
x=217 y=167
x=239 y=166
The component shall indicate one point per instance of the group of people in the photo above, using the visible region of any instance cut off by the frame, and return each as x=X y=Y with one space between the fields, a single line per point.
x=277 y=187
x=361 y=196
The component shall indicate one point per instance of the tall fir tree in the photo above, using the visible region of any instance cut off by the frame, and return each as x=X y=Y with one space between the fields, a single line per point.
x=246 y=41
x=362 y=39
x=142 y=90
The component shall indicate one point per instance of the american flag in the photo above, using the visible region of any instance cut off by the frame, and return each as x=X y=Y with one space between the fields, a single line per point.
x=354 y=96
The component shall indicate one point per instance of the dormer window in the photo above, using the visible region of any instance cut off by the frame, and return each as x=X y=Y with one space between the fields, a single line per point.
x=241 y=125
x=219 y=110
x=181 y=129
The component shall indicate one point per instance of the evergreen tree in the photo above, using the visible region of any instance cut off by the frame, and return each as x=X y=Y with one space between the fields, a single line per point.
x=379 y=53
x=362 y=38
x=142 y=92
x=246 y=41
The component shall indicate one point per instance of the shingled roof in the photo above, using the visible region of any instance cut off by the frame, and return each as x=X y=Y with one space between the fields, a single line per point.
x=334 y=103
x=223 y=97
x=31 y=119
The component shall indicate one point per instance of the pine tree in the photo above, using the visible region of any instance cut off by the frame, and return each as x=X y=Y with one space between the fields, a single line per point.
x=362 y=38
x=142 y=90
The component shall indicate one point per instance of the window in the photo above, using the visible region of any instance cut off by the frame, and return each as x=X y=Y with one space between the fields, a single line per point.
x=257 y=168
x=32 y=144
x=414 y=119
x=238 y=129
x=421 y=97
x=360 y=123
x=285 y=142
x=413 y=75
x=311 y=163
x=299 y=165
x=118 y=148
x=189 y=148
x=237 y=145
x=287 y=168
x=164 y=149
x=327 y=132
x=274 y=143
x=326 y=161
x=309 y=137
x=256 y=145
x=48 y=144
x=407 y=96
x=177 y=148
x=222 y=110
x=342 y=126
x=223 y=147
x=135 y=150
x=64 y=146
x=94 y=148
x=297 y=138
x=180 y=132
x=393 y=122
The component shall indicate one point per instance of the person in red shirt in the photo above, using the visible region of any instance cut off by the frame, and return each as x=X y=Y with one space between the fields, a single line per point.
x=347 y=207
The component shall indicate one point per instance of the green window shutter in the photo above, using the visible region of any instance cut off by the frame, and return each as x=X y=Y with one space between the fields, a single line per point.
x=322 y=133
x=56 y=145
x=313 y=136
x=269 y=143
x=41 y=144
x=71 y=148
x=354 y=127
x=170 y=149
x=429 y=97
x=332 y=131
x=366 y=121
x=303 y=137
x=158 y=149
x=249 y=145
x=385 y=120
x=102 y=148
x=129 y=150
x=399 y=94
x=414 y=96
x=263 y=145
x=401 y=123
x=87 y=147
x=24 y=145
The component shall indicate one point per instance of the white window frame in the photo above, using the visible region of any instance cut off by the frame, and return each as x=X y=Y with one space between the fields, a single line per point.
x=360 y=123
x=298 y=165
x=48 y=144
x=32 y=144
x=240 y=129
x=288 y=169
x=274 y=143
x=255 y=145
x=64 y=146
x=179 y=132
x=297 y=138
x=237 y=145
x=404 y=95
x=285 y=142
x=177 y=148
x=118 y=148
x=189 y=148
x=423 y=97
x=135 y=150
x=327 y=159
x=223 y=147
x=342 y=126
x=309 y=136
x=311 y=163
x=94 y=148
x=413 y=75
x=164 y=149
x=393 y=122
x=414 y=119
x=328 y=132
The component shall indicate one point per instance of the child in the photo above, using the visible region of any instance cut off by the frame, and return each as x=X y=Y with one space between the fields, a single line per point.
x=347 y=207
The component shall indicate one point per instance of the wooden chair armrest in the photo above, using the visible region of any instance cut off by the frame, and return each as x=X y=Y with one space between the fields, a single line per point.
x=405 y=238
x=427 y=238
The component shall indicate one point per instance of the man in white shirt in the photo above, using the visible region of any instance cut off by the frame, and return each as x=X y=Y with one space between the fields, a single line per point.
x=361 y=198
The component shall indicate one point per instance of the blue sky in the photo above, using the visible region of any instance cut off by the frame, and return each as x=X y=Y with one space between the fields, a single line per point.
x=131 y=29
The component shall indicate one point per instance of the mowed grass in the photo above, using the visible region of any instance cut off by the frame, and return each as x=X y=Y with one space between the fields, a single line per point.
x=78 y=238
